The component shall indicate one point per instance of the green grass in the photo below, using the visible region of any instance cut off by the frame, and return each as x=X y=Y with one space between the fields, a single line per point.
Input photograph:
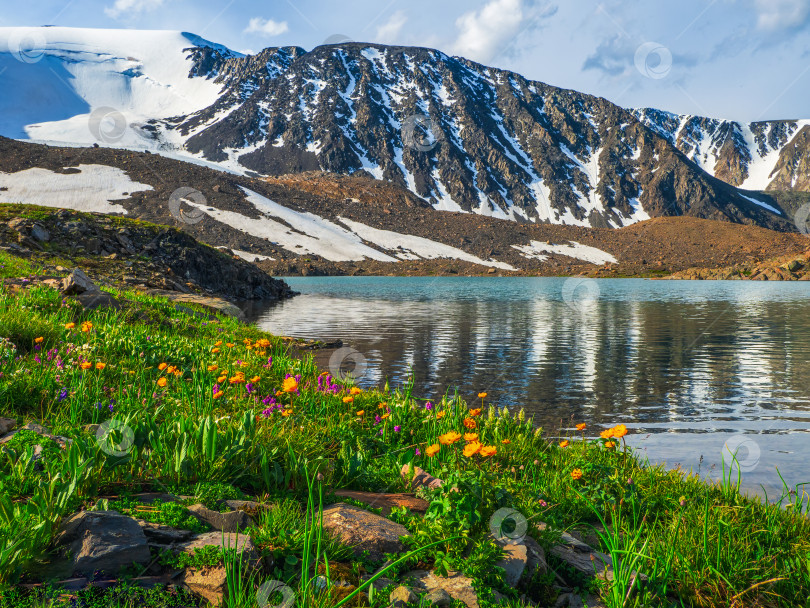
x=697 y=544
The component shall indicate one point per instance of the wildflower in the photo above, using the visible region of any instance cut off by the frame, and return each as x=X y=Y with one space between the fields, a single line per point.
x=449 y=438
x=162 y=382
x=428 y=406
x=476 y=412
x=397 y=428
x=218 y=343
x=577 y=474
x=218 y=394
x=86 y=365
x=385 y=415
x=70 y=326
x=255 y=379
x=440 y=415
x=222 y=379
x=86 y=326
x=250 y=388
x=472 y=448
x=62 y=395
x=289 y=385
x=418 y=453
x=488 y=450
x=214 y=350
x=610 y=444
x=581 y=427
x=619 y=431
x=355 y=390
x=163 y=366
x=564 y=443
x=606 y=434
x=39 y=340
x=360 y=412
x=433 y=449
x=682 y=501
x=171 y=369
x=506 y=441
x=213 y=368
x=542 y=503
x=348 y=399
x=100 y=365
x=470 y=423
x=230 y=344
x=482 y=395
x=470 y=436
x=287 y=412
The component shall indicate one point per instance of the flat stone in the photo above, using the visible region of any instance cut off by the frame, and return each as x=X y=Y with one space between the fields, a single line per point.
x=386 y=502
x=438 y=597
x=209 y=582
x=364 y=531
x=164 y=536
x=228 y=540
x=94 y=300
x=77 y=282
x=233 y=521
x=101 y=540
x=458 y=586
x=514 y=563
x=421 y=478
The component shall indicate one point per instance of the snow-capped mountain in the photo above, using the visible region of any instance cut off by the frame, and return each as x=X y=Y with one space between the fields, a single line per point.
x=463 y=136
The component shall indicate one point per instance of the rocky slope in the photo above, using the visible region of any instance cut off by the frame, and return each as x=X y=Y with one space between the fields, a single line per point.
x=460 y=135
x=781 y=268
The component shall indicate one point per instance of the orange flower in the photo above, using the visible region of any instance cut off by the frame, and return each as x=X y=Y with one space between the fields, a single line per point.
x=218 y=394
x=348 y=399
x=170 y=369
x=449 y=438
x=355 y=390
x=86 y=326
x=178 y=373
x=162 y=382
x=610 y=444
x=218 y=343
x=488 y=450
x=86 y=365
x=577 y=474
x=606 y=434
x=255 y=379
x=564 y=443
x=361 y=412
x=470 y=423
x=482 y=395
x=440 y=415
x=70 y=326
x=40 y=339
x=100 y=365
x=433 y=449
x=470 y=436
x=290 y=385
x=221 y=379
x=506 y=441
x=385 y=415
x=213 y=368
x=286 y=413
x=475 y=412
x=162 y=366
x=230 y=344
x=581 y=427
x=619 y=431
x=215 y=350
x=472 y=448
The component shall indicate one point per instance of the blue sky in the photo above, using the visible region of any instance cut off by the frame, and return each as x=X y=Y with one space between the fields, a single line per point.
x=739 y=59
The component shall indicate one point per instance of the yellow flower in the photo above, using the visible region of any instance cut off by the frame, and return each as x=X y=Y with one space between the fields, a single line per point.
x=482 y=395
x=86 y=365
x=215 y=350
x=506 y=441
x=440 y=415
x=70 y=326
x=100 y=365
x=610 y=444
x=577 y=474
x=355 y=390
x=475 y=412
x=433 y=449
x=162 y=382
x=449 y=438
x=213 y=368
x=218 y=343
x=286 y=413
x=163 y=366
x=255 y=379
x=230 y=344
x=606 y=434
x=221 y=379
x=361 y=412
x=619 y=431
x=564 y=443
x=472 y=448
x=581 y=426
x=170 y=369
x=86 y=326
x=488 y=450
x=385 y=415
x=40 y=339
x=290 y=385
x=470 y=436
x=178 y=373
x=218 y=394
x=348 y=399
x=470 y=423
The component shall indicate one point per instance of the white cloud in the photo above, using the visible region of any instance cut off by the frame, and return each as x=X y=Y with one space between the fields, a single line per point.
x=122 y=7
x=483 y=34
x=388 y=32
x=266 y=27
x=782 y=14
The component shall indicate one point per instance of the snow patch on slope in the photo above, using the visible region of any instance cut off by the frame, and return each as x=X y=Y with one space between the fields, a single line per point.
x=761 y=204
x=536 y=249
x=91 y=189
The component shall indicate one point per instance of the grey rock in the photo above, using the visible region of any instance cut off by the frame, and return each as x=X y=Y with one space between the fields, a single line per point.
x=7 y=425
x=438 y=597
x=401 y=597
x=514 y=563
x=421 y=478
x=93 y=300
x=40 y=233
x=233 y=521
x=101 y=540
x=164 y=536
x=458 y=586
x=364 y=531
x=239 y=542
x=77 y=282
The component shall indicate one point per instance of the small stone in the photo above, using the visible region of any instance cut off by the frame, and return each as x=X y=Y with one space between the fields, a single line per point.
x=77 y=283
x=438 y=597
x=40 y=233
x=233 y=521
x=7 y=425
x=421 y=478
x=401 y=597
x=514 y=563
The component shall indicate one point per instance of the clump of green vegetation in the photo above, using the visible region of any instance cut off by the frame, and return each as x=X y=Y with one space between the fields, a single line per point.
x=220 y=410
x=170 y=514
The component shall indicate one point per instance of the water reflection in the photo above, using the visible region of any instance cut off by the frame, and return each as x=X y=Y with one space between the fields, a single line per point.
x=685 y=364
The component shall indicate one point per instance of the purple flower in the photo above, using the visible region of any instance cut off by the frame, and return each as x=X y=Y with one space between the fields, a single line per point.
x=268 y=412
x=269 y=400
x=418 y=453
x=37 y=359
x=62 y=395
x=215 y=389
x=269 y=362
x=377 y=419
x=249 y=388
x=397 y=428
x=428 y=406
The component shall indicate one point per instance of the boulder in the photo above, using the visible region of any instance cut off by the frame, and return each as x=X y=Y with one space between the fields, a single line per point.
x=514 y=563
x=233 y=521
x=386 y=502
x=364 y=531
x=583 y=558
x=101 y=540
x=77 y=283
x=456 y=585
x=40 y=234
x=93 y=300
x=163 y=537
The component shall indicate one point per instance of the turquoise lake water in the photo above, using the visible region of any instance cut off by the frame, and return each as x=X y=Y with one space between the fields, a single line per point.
x=696 y=369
